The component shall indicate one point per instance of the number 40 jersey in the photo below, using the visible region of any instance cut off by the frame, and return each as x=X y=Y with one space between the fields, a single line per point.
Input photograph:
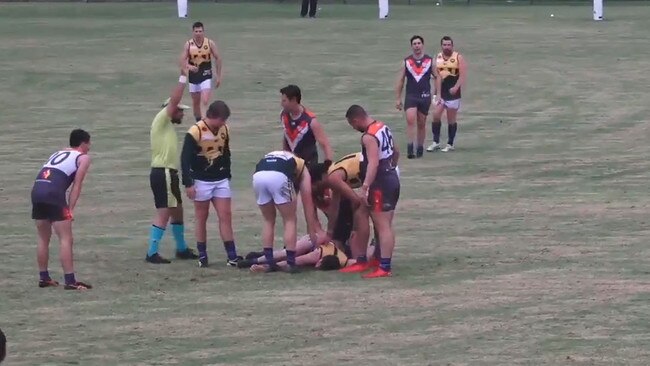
x=55 y=177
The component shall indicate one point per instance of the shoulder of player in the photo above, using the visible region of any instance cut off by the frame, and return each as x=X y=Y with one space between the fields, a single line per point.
x=195 y=130
x=309 y=113
x=375 y=127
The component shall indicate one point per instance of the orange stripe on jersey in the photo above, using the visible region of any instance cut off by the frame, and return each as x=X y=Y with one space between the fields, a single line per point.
x=309 y=113
x=374 y=127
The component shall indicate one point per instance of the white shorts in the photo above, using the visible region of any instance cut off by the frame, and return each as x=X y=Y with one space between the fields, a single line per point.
x=272 y=186
x=452 y=104
x=206 y=191
x=204 y=85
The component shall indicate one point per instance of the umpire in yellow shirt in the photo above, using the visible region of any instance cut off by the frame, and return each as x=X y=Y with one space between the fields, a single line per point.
x=164 y=177
x=205 y=162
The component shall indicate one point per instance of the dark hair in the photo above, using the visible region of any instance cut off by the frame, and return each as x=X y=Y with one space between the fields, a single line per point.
x=218 y=109
x=330 y=263
x=316 y=171
x=417 y=37
x=292 y=92
x=355 y=111
x=446 y=38
x=78 y=136
x=3 y=346
x=197 y=25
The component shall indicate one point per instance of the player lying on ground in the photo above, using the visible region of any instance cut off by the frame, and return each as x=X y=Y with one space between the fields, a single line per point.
x=328 y=256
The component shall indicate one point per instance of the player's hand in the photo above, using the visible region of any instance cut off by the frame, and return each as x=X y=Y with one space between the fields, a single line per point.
x=398 y=104
x=363 y=194
x=191 y=192
x=453 y=90
x=217 y=83
x=192 y=68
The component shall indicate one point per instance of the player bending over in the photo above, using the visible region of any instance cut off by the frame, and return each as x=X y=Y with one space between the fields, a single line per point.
x=277 y=178
x=50 y=210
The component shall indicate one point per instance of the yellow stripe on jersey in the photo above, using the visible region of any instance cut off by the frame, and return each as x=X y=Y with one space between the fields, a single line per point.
x=351 y=165
x=331 y=249
x=448 y=67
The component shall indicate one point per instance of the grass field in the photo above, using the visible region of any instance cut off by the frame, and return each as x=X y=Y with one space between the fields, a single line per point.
x=527 y=246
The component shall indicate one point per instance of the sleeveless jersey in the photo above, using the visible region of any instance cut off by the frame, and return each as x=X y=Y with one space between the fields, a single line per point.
x=299 y=136
x=384 y=138
x=330 y=248
x=284 y=162
x=351 y=166
x=212 y=160
x=418 y=76
x=164 y=142
x=199 y=55
x=449 y=72
x=55 y=177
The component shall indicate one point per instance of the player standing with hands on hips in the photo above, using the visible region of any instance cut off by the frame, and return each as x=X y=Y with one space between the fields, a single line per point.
x=197 y=58
x=450 y=74
x=417 y=68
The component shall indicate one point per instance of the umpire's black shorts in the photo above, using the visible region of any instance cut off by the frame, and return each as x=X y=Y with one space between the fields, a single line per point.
x=165 y=187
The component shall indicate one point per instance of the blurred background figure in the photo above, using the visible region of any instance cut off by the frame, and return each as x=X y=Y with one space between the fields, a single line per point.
x=309 y=5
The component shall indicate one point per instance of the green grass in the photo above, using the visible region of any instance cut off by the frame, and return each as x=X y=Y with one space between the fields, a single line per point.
x=528 y=245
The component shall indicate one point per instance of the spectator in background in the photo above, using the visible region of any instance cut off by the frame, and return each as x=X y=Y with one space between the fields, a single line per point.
x=3 y=346
x=310 y=5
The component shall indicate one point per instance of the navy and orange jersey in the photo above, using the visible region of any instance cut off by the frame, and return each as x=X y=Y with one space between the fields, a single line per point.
x=351 y=166
x=206 y=154
x=55 y=177
x=384 y=138
x=200 y=55
x=299 y=136
x=449 y=71
x=418 y=75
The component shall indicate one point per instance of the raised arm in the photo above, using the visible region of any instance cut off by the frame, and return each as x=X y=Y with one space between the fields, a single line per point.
x=75 y=191
x=321 y=138
x=177 y=93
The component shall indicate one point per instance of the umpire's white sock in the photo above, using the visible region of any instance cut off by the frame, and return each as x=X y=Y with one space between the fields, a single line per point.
x=383 y=9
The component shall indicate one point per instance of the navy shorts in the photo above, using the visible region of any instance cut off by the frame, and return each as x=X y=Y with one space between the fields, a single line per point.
x=421 y=103
x=383 y=193
x=50 y=212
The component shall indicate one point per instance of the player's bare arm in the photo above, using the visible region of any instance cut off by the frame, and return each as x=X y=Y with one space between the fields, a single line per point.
x=177 y=94
x=313 y=226
x=438 y=84
x=321 y=138
x=75 y=191
x=337 y=183
x=217 y=62
x=372 y=152
x=395 y=154
x=185 y=59
x=399 y=86
x=462 y=69
x=333 y=212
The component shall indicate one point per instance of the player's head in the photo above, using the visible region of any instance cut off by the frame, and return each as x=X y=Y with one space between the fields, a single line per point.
x=3 y=346
x=329 y=263
x=447 y=45
x=357 y=117
x=291 y=97
x=197 y=30
x=80 y=139
x=417 y=43
x=217 y=114
x=318 y=173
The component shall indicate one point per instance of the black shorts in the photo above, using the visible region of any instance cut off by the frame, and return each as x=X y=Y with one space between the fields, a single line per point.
x=344 y=222
x=416 y=101
x=165 y=187
x=383 y=194
x=50 y=212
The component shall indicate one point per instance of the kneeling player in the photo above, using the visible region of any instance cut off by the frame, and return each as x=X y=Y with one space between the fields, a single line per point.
x=277 y=178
